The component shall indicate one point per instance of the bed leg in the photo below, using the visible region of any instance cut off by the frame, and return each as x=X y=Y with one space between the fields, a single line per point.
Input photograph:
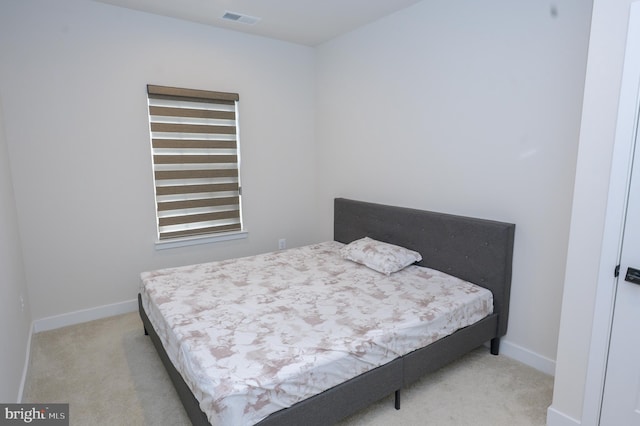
x=397 y=403
x=146 y=333
x=495 y=346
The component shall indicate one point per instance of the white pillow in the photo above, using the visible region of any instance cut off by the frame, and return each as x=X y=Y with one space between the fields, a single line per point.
x=382 y=257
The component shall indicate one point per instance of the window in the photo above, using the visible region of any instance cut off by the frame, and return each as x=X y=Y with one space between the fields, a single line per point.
x=194 y=142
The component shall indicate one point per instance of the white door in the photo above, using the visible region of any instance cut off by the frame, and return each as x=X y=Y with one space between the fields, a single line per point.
x=621 y=394
x=621 y=400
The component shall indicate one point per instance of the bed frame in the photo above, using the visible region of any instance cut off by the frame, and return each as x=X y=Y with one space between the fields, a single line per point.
x=475 y=250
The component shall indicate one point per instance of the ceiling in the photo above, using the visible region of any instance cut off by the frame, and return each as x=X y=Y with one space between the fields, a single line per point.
x=307 y=22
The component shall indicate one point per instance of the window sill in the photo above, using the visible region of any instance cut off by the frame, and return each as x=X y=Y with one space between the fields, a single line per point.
x=202 y=239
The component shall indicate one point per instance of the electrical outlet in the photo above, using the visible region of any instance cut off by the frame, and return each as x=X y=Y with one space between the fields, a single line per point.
x=282 y=244
x=21 y=303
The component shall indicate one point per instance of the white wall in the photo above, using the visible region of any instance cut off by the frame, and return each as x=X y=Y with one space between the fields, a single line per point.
x=597 y=136
x=14 y=303
x=470 y=108
x=73 y=81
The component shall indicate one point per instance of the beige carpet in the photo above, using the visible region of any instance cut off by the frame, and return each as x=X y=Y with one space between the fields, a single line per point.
x=110 y=374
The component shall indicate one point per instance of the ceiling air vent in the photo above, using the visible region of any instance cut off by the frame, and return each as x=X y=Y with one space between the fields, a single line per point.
x=239 y=17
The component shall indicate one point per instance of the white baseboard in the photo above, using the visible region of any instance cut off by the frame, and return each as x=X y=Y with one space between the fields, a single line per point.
x=557 y=418
x=27 y=361
x=527 y=357
x=77 y=317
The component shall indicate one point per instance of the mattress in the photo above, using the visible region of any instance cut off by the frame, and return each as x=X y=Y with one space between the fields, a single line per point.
x=254 y=335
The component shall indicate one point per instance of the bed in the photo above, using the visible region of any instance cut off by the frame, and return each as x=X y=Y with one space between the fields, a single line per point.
x=468 y=250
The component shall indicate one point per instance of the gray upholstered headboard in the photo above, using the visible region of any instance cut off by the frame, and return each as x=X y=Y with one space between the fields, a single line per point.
x=475 y=250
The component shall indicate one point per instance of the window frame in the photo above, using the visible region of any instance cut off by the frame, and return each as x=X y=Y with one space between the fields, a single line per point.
x=195 y=150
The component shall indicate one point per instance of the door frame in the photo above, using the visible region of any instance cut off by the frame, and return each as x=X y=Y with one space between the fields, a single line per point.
x=619 y=182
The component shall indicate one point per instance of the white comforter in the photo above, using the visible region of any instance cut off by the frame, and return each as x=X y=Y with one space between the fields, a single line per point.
x=254 y=335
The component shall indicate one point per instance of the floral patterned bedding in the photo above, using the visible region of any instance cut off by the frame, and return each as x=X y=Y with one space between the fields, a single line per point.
x=251 y=336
